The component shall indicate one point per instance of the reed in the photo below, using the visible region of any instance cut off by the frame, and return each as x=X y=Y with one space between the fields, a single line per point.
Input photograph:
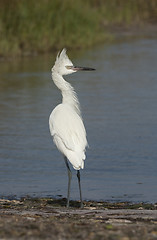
x=30 y=26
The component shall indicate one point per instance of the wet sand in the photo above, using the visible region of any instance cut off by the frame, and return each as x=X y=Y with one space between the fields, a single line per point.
x=50 y=219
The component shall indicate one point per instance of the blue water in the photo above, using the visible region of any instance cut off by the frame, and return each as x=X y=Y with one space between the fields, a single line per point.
x=119 y=107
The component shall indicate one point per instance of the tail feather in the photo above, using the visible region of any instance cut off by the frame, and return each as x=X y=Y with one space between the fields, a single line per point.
x=76 y=159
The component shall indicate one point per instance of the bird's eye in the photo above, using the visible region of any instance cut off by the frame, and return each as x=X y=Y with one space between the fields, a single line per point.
x=69 y=67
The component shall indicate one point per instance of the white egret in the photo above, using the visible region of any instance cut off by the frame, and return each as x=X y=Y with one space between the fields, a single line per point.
x=65 y=122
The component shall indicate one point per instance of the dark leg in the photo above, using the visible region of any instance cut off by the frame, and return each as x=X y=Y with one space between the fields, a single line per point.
x=78 y=176
x=69 y=180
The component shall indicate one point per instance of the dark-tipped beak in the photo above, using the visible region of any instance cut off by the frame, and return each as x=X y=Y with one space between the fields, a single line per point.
x=83 y=69
x=80 y=68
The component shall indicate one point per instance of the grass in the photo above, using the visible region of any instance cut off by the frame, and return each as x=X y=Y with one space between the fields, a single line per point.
x=30 y=26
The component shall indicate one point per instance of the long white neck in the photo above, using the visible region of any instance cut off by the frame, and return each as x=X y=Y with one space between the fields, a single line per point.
x=69 y=95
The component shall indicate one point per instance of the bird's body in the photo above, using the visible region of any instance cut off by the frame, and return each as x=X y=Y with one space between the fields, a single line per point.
x=69 y=134
x=65 y=122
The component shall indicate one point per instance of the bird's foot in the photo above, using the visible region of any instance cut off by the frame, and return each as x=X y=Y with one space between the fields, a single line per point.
x=81 y=206
x=67 y=205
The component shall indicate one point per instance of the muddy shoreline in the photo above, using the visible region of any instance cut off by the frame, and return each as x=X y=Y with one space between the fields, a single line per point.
x=50 y=219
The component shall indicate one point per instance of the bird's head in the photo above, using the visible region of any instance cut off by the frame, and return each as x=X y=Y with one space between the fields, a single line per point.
x=64 y=66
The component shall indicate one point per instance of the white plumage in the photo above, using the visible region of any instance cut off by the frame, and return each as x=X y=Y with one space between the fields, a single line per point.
x=65 y=122
x=66 y=125
x=69 y=134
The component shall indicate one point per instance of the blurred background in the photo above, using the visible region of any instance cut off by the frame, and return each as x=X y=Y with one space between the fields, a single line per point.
x=30 y=27
x=118 y=100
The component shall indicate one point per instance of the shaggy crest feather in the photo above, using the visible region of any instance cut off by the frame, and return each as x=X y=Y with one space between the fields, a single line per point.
x=61 y=59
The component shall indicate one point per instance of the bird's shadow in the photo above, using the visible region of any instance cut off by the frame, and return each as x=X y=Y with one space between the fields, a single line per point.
x=62 y=203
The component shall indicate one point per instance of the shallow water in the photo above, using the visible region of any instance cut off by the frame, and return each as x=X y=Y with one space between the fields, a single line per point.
x=119 y=109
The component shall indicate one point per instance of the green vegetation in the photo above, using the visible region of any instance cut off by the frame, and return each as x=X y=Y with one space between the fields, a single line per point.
x=30 y=26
